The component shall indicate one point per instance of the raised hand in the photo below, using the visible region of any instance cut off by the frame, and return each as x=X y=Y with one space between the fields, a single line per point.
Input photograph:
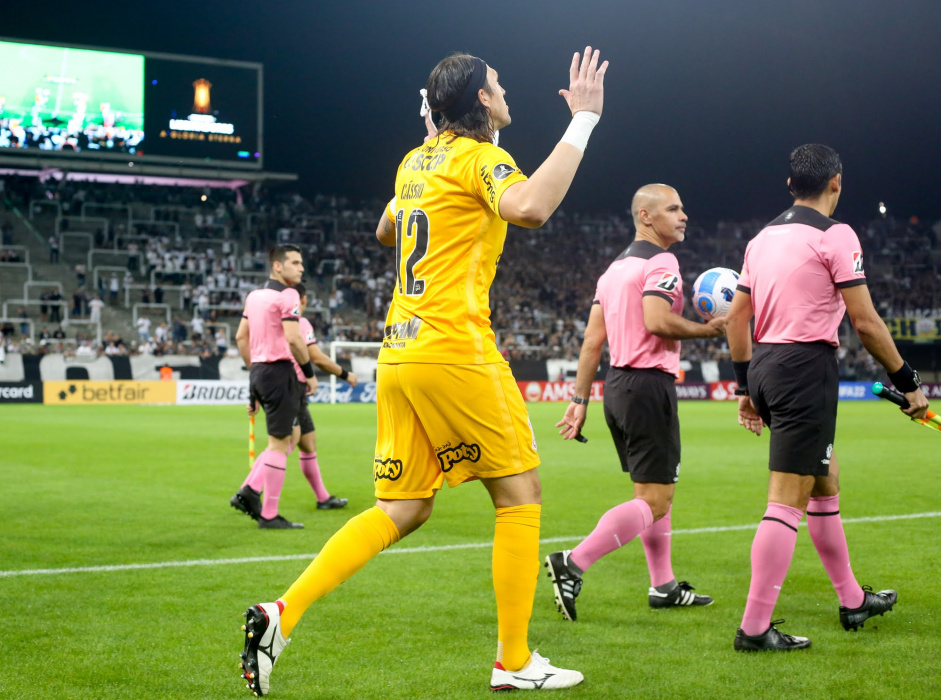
x=586 y=83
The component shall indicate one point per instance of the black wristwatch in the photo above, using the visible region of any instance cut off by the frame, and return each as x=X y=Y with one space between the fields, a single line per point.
x=580 y=400
x=741 y=391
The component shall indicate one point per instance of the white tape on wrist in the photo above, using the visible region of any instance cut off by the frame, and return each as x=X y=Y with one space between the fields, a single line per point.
x=580 y=129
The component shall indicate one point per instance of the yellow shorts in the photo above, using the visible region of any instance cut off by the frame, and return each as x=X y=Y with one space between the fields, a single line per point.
x=454 y=422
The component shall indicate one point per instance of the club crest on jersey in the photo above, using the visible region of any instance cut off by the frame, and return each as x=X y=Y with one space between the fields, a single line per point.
x=501 y=171
x=310 y=336
x=857 y=262
x=296 y=311
x=668 y=282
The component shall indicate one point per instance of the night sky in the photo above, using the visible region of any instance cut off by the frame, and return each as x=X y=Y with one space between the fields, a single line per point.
x=709 y=96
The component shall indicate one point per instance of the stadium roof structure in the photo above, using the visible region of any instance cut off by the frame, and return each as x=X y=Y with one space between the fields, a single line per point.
x=139 y=173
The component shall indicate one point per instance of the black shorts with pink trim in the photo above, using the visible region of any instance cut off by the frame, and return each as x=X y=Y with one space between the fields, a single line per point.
x=275 y=386
x=796 y=387
x=640 y=408
x=303 y=418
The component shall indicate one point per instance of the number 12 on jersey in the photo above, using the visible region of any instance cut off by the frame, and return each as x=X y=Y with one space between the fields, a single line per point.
x=418 y=227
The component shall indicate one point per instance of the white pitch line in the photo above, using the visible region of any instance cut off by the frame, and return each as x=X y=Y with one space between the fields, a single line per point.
x=403 y=550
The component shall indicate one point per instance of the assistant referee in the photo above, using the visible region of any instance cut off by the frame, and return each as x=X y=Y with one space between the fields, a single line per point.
x=801 y=272
x=268 y=337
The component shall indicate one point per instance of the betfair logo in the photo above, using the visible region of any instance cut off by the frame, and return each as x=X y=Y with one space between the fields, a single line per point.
x=390 y=469
x=451 y=456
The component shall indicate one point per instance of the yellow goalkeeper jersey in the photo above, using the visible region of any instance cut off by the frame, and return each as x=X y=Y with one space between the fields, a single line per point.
x=449 y=238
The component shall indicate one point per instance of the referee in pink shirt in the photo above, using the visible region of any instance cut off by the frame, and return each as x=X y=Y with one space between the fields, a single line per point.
x=801 y=272
x=637 y=309
x=268 y=338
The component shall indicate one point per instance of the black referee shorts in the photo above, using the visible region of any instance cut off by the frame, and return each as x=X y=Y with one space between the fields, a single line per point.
x=275 y=386
x=795 y=387
x=640 y=408
x=303 y=418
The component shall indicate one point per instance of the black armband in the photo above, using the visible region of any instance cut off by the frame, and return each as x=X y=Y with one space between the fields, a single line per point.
x=580 y=400
x=741 y=377
x=343 y=374
x=308 y=369
x=906 y=379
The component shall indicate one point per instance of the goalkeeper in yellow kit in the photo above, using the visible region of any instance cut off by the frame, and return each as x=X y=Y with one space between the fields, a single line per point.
x=448 y=406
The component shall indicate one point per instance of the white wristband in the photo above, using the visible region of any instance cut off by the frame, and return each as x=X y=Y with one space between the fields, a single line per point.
x=580 y=129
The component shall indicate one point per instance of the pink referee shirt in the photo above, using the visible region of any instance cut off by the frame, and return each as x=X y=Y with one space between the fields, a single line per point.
x=265 y=309
x=307 y=333
x=641 y=270
x=794 y=270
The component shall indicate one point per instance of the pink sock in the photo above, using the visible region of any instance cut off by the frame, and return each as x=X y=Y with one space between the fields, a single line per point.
x=656 y=539
x=771 y=554
x=616 y=528
x=256 y=477
x=311 y=470
x=275 y=464
x=826 y=531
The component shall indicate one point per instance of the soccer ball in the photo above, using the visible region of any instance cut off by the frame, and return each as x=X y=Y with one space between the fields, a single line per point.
x=713 y=291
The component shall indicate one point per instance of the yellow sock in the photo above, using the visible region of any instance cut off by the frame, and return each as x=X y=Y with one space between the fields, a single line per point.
x=348 y=551
x=515 y=570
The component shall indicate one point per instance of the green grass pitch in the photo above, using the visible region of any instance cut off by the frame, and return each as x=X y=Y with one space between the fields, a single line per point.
x=111 y=486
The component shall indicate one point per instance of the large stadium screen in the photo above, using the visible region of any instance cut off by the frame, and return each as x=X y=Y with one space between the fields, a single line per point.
x=201 y=110
x=57 y=100
x=62 y=99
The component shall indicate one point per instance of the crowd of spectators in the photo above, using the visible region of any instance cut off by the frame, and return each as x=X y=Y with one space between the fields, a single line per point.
x=540 y=298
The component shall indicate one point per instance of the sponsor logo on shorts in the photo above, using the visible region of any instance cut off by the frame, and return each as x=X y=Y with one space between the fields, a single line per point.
x=668 y=282
x=390 y=469
x=857 y=262
x=826 y=460
x=450 y=456
x=676 y=475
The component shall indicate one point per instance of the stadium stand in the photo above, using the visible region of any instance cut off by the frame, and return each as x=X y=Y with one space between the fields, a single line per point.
x=185 y=257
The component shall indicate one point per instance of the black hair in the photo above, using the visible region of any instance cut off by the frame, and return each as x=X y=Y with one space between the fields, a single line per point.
x=280 y=253
x=813 y=165
x=301 y=289
x=445 y=86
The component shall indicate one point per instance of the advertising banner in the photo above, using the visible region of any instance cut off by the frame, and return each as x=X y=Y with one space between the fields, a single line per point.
x=693 y=391
x=920 y=330
x=364 y=392
x=104 y=393
x=557 y=391
x=20 y=392
x=199 y=392
x=856 y=391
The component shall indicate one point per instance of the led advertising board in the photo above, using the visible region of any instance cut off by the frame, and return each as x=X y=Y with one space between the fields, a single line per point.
x=93 y=103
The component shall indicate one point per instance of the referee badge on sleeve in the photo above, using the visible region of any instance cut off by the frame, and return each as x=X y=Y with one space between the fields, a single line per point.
x=668 y=282
x=857 y=262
